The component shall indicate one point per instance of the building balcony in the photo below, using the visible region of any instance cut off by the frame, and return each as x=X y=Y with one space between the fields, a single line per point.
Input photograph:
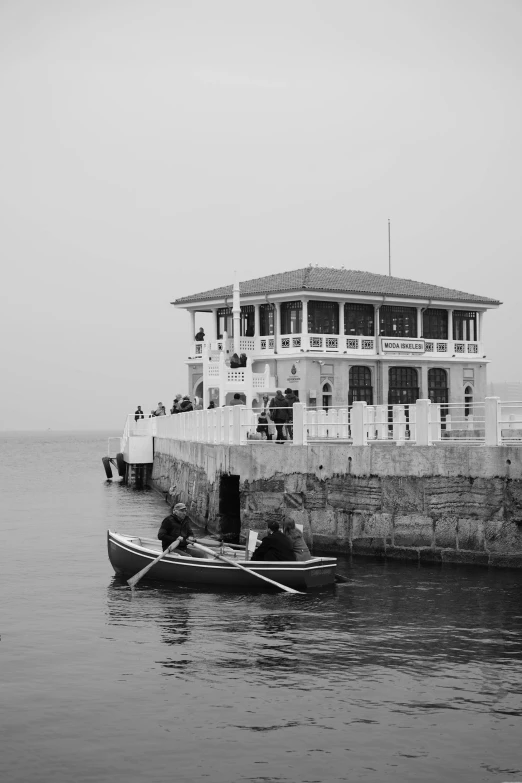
x=223 y=379
x=354 y=346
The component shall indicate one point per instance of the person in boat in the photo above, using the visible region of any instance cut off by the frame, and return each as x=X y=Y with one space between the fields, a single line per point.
x=175 y=526
x=275 y=546
x=295 y=537
x=138 y=413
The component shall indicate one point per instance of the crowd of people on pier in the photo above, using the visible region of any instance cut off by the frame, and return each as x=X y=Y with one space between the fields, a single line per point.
x=274 y=415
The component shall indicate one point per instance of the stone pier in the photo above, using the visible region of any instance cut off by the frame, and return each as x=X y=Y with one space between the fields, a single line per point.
x=439 y=504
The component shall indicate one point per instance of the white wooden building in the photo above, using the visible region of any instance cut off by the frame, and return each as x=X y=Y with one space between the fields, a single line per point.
x=336 y=336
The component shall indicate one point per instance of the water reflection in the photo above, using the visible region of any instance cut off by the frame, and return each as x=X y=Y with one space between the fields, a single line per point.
x=404 y=673
x=434 y=625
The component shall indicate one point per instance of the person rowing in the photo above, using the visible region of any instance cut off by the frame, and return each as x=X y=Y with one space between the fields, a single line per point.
x=175 y=526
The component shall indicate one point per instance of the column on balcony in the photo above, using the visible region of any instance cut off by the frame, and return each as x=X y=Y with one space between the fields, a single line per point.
x=257 y=328
x=419 y=321
x=450 y=325
x=342 y=343
x=277 y=326
x=192 y=323
x=213 y=329
x=304 y=325
x=479 y=325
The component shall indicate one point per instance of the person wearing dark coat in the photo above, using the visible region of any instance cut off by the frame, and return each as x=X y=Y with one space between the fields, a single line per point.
x=235 y=361
x=290 y=397
x=275 y=546
x=278 y=410
x=295 y=537
x=186 y=405
x=174 y=526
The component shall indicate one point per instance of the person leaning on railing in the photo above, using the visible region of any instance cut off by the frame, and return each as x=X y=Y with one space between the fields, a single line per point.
x=186 y=405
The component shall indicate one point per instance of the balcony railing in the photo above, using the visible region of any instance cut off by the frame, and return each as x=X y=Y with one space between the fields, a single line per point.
x=359 y=345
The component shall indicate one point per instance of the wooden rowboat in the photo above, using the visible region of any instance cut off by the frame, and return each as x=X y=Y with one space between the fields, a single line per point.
x=129 y=554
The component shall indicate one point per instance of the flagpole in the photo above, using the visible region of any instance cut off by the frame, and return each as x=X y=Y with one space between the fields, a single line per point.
x=389 y=248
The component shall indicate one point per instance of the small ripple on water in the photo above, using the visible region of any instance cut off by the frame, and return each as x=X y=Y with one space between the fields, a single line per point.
x=401 y=673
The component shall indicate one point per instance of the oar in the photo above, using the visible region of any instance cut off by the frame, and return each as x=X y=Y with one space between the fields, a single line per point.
x=133 y=581
x=248 y=570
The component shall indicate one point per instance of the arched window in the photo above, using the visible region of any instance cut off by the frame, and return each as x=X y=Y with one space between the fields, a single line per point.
x=438 y=385
x=468 y=401
x=360 y=385
x=403 y=386
x=327 y=395
x=438 y=390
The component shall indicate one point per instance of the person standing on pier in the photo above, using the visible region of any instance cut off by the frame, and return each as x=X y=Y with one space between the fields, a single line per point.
x=291 y=397
x=279 y=414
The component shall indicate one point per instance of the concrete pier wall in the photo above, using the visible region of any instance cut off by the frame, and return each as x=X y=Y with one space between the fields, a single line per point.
x=458 y=503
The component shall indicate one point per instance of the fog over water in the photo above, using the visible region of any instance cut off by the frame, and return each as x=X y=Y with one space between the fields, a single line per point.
x=149 y=148
x=404 y=673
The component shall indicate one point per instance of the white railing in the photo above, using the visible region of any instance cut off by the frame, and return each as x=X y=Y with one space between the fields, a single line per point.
x=423 y=423
x=364 y=345
x=511 y=422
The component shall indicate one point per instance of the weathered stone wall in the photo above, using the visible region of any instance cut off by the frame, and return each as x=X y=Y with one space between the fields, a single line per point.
x=455 y=503
x=194 y=470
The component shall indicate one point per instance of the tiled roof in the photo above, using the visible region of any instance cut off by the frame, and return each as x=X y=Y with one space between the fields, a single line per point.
x=343 y=280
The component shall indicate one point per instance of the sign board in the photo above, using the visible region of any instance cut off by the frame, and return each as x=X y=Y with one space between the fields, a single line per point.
x=401 y=345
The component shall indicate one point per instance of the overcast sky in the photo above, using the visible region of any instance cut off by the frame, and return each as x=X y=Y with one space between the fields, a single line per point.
x=148 y=148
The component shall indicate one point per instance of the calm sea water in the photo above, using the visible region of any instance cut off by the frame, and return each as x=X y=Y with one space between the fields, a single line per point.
x=401 y=674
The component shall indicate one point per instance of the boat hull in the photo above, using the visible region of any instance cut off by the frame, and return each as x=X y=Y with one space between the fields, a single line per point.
x=128 y=556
